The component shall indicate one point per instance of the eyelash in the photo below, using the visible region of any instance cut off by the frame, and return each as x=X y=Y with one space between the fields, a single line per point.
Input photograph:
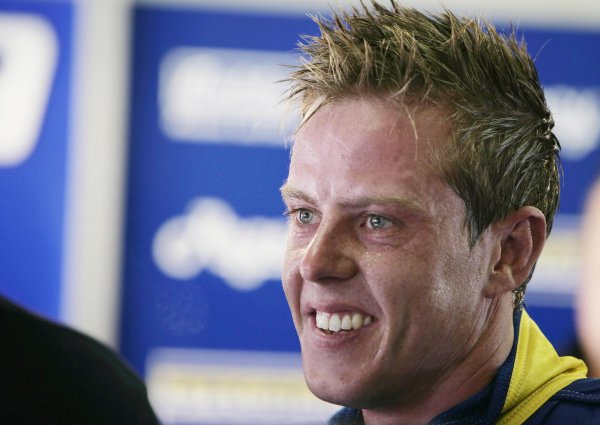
x=384 y=219
x=295 y=215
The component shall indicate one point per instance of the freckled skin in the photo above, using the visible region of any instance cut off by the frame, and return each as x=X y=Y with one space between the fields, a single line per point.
x=433 y=327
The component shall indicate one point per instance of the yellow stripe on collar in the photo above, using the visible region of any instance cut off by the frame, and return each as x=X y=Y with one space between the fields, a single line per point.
x=538 y=373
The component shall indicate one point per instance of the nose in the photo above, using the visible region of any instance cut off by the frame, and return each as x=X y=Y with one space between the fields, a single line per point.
x=329 y=256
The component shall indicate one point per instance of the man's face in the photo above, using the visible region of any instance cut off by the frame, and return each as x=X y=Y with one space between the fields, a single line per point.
x=377 y=247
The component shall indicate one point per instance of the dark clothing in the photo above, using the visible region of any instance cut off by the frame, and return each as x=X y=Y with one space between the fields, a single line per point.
x=545 y=390
x=50 y=374
x=577 y=404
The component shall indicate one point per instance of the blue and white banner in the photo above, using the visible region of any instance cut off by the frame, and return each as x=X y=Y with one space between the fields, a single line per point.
x=35 y=65
x=204 y=315
x=569 y=67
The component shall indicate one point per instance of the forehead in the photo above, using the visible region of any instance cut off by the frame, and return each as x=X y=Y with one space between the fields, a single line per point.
x=367 y=132
x=357 y=149
x=381 y=123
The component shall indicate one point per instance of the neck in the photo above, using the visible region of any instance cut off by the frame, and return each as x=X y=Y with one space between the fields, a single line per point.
x=473 y=373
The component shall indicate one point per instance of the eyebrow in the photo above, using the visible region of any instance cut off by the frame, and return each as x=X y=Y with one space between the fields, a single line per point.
x=288 y=192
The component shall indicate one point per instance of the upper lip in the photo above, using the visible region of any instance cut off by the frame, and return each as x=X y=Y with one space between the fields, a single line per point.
x=335 y=307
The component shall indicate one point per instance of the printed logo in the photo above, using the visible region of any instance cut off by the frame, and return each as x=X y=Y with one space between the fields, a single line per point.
x=577 y=116
x=189 y=386
x=28 y=56
x=244 y=252
x=558 y=270
x=224 y=96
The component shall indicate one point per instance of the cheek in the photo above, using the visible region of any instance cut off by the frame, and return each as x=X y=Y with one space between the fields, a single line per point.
x=292 y=286
x=417 y=286
x=463 y=276
x=290 y=273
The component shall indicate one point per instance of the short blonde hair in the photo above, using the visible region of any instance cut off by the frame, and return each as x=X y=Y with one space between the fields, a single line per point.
x=502 y=154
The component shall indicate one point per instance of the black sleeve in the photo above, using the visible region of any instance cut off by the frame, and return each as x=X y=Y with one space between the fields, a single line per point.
x=51 y=374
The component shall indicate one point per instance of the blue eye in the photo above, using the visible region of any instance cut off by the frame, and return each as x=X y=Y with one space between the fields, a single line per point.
x=304 y=216
x=375 y=221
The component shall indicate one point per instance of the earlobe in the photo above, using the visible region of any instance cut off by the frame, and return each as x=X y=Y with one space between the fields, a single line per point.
x=519 y=240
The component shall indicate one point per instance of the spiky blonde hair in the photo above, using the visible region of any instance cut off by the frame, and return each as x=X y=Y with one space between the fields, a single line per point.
x=502 y=154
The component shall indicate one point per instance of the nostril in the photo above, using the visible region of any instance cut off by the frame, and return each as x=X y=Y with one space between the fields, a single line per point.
x=329 y=255
x=327 y=268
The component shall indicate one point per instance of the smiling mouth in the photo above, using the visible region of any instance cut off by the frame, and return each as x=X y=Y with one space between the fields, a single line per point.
x=339 y=322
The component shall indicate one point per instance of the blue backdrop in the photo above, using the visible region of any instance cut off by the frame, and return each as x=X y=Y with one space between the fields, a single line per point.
x=204 y=227
x=35 y=68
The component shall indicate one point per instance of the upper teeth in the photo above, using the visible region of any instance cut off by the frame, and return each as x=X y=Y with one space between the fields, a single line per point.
x=336 y=322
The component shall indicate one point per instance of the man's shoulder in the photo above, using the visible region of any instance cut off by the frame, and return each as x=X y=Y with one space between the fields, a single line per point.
x=27 y=336
x=52 y=371
x=577 y=403
x=583 y=390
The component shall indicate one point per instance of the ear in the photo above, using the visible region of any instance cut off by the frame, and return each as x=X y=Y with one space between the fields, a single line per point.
x=518 y=242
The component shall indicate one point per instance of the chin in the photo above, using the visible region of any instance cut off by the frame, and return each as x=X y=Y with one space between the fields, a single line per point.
x=334 y=390
x=331 y=396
